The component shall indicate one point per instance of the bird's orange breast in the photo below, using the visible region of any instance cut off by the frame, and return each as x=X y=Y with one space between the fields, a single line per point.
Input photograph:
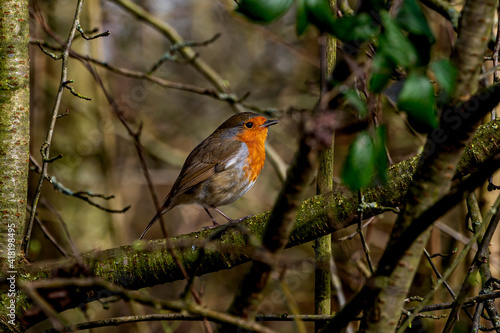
x=254 y=139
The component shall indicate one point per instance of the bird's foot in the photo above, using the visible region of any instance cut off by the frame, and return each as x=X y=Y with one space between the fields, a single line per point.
x=215 y=225
x=240 y=220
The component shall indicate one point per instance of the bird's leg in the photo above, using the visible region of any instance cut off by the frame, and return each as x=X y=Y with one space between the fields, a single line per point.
x=212 y=218
x=230 y=220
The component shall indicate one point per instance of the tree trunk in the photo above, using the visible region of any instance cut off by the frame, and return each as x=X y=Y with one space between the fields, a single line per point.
x=14 y=144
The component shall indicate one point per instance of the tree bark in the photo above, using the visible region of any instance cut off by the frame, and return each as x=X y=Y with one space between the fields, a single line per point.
x=14 y=146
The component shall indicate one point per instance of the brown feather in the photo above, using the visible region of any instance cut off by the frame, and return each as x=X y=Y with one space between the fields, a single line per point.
x=207 y=159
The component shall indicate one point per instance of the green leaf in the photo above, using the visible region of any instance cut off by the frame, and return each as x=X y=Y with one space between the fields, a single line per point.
x=383 y=67
x=360 y=162
x=411 y=18
x=320 y=14
x=394 y=44
x=357 y=28
x=445 y=74
x=353 y=99
x=302 y=21
x=263 y=11
x=417 y=99
x=381 y=161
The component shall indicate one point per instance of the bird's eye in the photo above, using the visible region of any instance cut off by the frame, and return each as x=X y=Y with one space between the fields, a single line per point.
x=249 y=125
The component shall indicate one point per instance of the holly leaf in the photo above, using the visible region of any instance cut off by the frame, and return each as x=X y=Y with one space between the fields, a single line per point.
x=394 y=44
x=302 y=21
x=445 y=74
x=357 y=28
x=381 y=161
x=417 y=99
x=411 y=19
x=382 y=68
x=263 y=11
x=352 y=98
x=360 y=162
x=320 y=14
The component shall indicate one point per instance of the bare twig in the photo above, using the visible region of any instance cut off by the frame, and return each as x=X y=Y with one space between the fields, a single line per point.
x=443 y=255
x=51 y=238
x=496 y=50
x=64 y=227
x=354 y=234
x=477 y=317
x=73 y=91
x=82 y=195
x=50 y=54
x=366 y=249
x=45 y=151
x=176 y=47
x=438 y=274
x=102 y=34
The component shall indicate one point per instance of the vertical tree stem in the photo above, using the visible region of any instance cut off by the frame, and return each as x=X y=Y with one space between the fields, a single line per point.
x=323 y=245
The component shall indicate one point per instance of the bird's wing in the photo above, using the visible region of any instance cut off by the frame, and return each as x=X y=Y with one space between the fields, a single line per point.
x=204 y=161
x=195 y=174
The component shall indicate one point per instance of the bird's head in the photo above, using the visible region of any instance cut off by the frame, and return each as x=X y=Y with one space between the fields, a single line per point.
x=246 y=127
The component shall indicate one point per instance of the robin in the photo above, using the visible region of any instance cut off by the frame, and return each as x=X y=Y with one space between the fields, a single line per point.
x=221 y=168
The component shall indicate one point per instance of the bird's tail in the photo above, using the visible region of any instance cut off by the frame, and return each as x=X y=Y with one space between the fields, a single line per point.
x=153 y=220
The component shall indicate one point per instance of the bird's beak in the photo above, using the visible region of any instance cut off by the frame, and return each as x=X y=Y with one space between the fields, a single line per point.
x=269 y=123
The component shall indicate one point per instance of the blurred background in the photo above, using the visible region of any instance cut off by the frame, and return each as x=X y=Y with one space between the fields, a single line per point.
x=279 y=70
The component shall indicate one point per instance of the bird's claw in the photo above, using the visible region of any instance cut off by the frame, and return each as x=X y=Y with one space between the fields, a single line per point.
x=215 y=225
x=241 y=219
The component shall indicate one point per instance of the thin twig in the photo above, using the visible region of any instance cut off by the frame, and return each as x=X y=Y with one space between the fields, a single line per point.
x=64 y=227
x=51 y=238
x=45 y=151
x=50 y=54
x=438 y=274
x=73 y=91
x=477 y=317
x=366 y=249
x=354 y=234
x=443 y=255
x=82 y=195
x=102 y=34
x=176 y=47
x=496 y=50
